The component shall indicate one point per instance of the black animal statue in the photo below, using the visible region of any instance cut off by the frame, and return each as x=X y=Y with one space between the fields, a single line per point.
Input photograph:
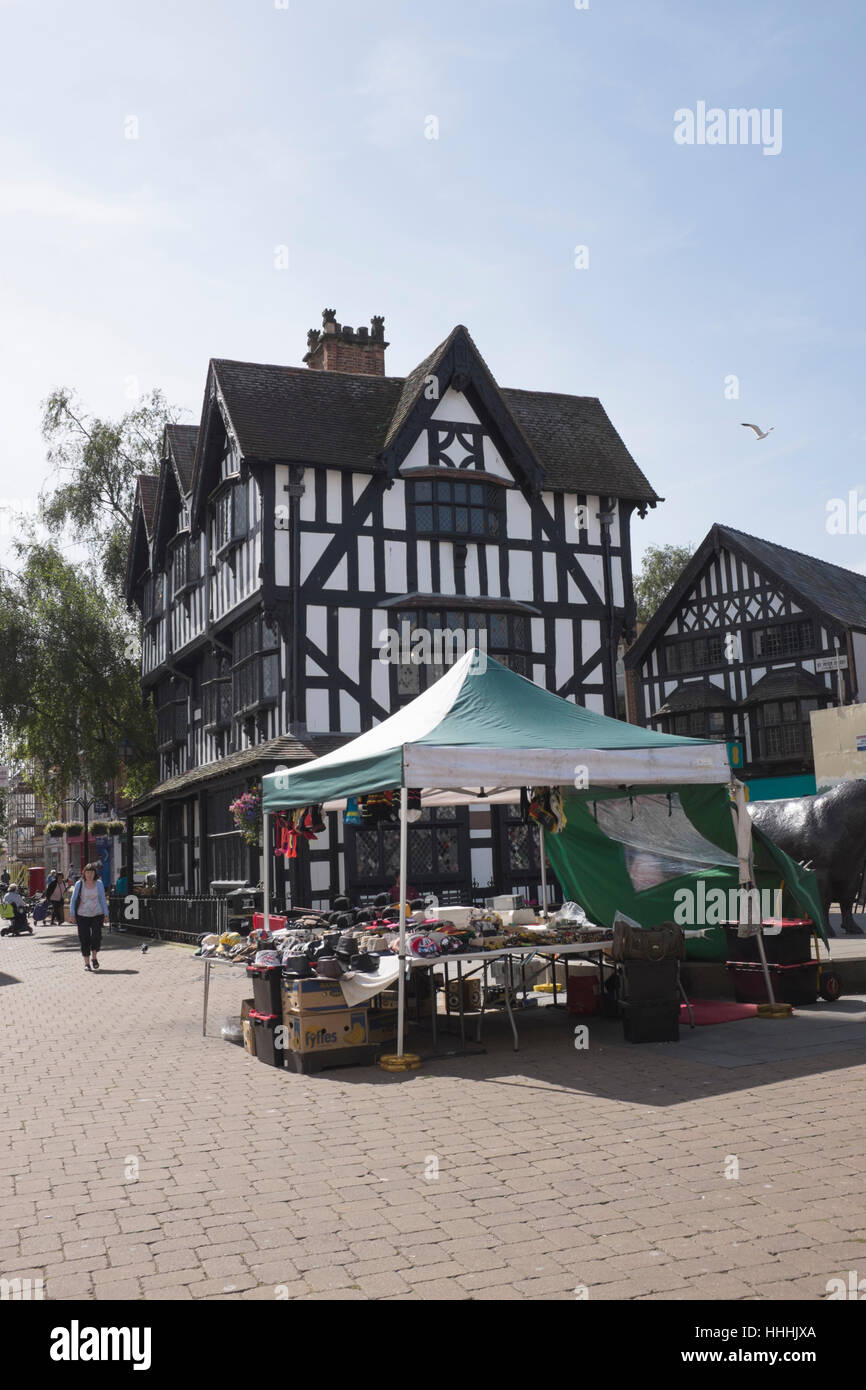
x=827 y=832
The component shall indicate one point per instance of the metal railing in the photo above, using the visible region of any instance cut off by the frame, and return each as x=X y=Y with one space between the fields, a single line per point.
x=168 y=917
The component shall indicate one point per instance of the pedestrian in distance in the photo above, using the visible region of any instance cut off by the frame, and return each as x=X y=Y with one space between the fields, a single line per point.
x=53 y=895
x=89 y=909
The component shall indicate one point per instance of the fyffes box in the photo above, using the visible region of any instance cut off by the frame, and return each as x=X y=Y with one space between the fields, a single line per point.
x=319 y=1031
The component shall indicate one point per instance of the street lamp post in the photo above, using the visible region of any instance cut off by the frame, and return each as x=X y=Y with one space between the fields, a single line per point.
x=86 y=803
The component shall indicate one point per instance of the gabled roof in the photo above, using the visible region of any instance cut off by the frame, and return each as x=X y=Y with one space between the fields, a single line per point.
x=143 y=519
x=577 y=446
x=363 y=422
x=694 y=695
x=147 y=490
x=787 y=683
x=837 y=593
x=181 y=441
x=293 y=414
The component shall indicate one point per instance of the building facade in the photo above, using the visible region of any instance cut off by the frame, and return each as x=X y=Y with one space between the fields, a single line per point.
x=317 y=510
x=750 y=640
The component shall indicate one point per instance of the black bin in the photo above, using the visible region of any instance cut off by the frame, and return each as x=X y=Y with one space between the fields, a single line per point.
x=266 y=987
x=648 y=1023
x=789 y=946
x=649 y=981
x=266 y=1027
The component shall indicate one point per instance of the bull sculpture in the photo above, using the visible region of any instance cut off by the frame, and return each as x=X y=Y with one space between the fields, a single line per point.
x=827 y=832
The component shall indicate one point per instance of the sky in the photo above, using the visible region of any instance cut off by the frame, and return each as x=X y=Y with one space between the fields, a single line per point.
x=198 y=179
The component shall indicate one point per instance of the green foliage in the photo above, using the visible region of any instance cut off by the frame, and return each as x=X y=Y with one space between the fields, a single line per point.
x=69 y=681
x=660 y=569
x=55 y=829
x=95 y=466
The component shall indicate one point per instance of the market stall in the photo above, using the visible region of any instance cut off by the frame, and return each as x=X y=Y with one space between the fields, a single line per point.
x=484 y=734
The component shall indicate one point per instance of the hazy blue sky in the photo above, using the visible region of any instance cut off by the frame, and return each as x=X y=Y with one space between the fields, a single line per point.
x=261 y=127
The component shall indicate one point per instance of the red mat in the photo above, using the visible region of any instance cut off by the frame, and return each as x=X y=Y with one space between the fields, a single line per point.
x=716 y=1011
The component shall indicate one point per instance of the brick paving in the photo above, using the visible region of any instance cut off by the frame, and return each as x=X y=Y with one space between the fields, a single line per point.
x=139 y=1160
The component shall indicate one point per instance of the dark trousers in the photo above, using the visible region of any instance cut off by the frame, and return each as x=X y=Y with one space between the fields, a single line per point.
x=89 y=933
x=58 y=909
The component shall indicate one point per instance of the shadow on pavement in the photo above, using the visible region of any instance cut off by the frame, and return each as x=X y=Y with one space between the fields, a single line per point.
x=654 y=1074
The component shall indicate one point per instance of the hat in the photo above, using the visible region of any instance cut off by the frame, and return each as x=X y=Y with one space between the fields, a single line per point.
x=366 y=962
x=297 y=967
x=346 y=946
x=423 y=946
x=329 y=968
x=267 y=958
x=341 y=904
x=381 y=900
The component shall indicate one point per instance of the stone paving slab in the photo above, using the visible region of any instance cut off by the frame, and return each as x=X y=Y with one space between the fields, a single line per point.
x=140 y=1160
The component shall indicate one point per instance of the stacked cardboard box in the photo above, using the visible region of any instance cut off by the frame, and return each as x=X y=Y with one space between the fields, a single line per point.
x=319 y=1029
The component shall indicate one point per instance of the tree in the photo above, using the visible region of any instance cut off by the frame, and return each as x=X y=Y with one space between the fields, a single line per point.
x=660 y=569
x=97 y=463
x=69 y=682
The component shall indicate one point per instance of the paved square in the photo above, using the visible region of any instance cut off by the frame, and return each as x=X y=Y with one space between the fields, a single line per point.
x=140 y=1160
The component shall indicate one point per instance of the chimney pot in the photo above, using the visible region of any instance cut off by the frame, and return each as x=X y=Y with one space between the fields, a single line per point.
x=342 y=348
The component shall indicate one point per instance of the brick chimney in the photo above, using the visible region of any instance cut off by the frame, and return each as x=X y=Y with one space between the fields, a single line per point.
x=337 y=348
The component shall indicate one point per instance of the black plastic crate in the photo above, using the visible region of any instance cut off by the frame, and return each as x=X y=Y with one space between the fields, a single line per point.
x=649 y=981
x=266 y=987
x=792 y=984
x=265 y=1026
x=790 y=946
x=648 y=1023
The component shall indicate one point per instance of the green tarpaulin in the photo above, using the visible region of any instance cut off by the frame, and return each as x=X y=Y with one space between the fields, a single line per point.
x=657 y=847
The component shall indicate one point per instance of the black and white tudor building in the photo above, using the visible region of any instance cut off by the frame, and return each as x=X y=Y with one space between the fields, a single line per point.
x=315 y=509
x=748 y=642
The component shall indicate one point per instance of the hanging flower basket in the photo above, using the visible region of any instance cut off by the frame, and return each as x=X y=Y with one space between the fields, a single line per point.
x=55 y=829
x=116 y=827
x=75 y=828
x=247 y=814
x=98 y=827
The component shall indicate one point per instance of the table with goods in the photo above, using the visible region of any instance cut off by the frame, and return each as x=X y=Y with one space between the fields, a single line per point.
x=324 y=985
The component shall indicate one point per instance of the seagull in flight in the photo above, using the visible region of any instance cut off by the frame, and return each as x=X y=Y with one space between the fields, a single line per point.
x=761 y=434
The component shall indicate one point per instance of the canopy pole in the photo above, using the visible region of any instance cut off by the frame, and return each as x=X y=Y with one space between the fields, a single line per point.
x=266 y=876
x=542 y=853
x=401 y=979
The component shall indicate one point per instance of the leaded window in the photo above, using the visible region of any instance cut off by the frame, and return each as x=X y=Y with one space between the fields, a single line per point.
x=784 y=729
x=231 y=515
x=700 y=724
x=452 y=507
x=256 y=665
x=436 y=852
x=783 y=639
x=695 y=654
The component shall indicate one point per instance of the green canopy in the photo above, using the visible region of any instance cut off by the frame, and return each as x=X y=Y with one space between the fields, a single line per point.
x=483 y=727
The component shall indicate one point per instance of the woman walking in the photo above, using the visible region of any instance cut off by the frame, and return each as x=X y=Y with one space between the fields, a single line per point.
x=89 y=909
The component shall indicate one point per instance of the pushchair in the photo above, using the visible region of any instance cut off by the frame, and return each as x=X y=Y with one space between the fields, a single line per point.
x=16 y=921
